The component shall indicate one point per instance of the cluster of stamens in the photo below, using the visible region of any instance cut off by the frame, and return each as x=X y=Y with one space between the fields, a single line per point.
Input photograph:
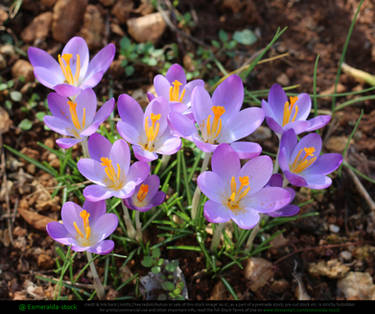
x=174 y=92
x=288 y=109
x=210 y=131
x=299 y=164
x=238 y=194
x=152 y=131
x=67 y=70
x=85 y=235
x=113 y=178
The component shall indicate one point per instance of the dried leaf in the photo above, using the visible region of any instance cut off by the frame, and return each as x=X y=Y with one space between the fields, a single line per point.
x=37 y=221
x=258 y=271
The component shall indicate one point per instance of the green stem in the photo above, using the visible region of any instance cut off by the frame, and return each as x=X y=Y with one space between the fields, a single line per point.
x=253 y=234
x=138 y=226
x=164 y=161
x=97 y=283
x=216 y=237
x=128 y=222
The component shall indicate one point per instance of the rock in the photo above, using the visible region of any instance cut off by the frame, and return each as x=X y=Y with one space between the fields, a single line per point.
x=336 y=144
x=218 y=292
x=258 y=271
x=146 y=28
x=45 y=261
x=67 y=18
x=38 y=28
x=93 y=27
x=7 y=50
x=107 y=3
x=334 y=228
x=3 y=16
x=3 y=62
x=5 y=121
x=357 y=286
x=331 y=269
x=116 y=29
x=340 y=89
x=346 y=255
x=279 y=286
x=23 y=68
x=122 y=9
x=47 y=3
x=260 y=134
x=145 y=8
x=283 y=79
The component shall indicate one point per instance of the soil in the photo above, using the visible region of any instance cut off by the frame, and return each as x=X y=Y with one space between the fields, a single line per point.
x=342 y=232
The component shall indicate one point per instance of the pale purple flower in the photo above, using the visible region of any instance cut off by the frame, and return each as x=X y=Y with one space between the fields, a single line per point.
x=175 y=89
x=109 y=168
x=147 y=131
x=73 y=71
x=147 y=195
x=288 y=210
x=85 y=229
x=77 y=118
x=239 y=193
x=219 y=119
x=301 y=163
x=282 y=115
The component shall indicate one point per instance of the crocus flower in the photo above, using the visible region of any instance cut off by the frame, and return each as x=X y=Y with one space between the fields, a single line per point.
x=73 y=71
x=174 y=88
x=146 y=196
x=282 y=114
x=76 y=118
x=148 y=132
x=109 y=168
x=239 y=194
x=301 y=163
x=288 y=210
x=85 y=229
x=219 y=119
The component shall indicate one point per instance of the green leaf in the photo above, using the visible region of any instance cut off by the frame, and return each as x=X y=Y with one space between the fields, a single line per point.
x=171 y=267
x=147 y=261
x=15 y=96
x=25 y=125
x=129 y=70
x=223 y=36
x=245 y=37
x=156 y=252
x=40 y=116
x=156 y=269
x=167 y=285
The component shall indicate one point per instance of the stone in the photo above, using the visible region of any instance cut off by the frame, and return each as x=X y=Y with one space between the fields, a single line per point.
x=122 y=9
x=67 y=18
x=107 y=3
x=47 y=3
x=146 y=28
x=45 y=261
x=5 y=121
x=283 y=79
x=3 y=62
x=258 y=272
x=336 y=144
x=23 y=68
x=3 y=16
x=331 y=269
x=357 y=286
x=93 y=26
x=38 y=28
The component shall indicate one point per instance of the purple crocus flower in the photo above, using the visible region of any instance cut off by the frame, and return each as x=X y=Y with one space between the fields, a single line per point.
x=76 y=118
x=219 y=119
x=73 y=71
x=282 y=114
x=109 y=168
x=146 y=196
x=288 y=210
x=301 y=163
x=175 y=89
x=239 y=193
x=148 y=132
x=85 y=229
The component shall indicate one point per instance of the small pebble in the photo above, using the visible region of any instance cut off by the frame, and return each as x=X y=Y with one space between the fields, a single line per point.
x=334 y=228
x=346 y=255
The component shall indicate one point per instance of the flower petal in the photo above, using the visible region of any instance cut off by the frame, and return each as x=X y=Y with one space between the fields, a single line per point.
x=40 y=58
x=318 y=122
x=310 y=140
x=257 y=178
x=269 y=199
x=67 y=90
x=225 y=162
x=104 y=226
x=98 y=147
x=95 y=209
x=162 y=86
x=46 y=77
x=212 y=185
x=77 y=46
x=128 y=132
x=318 y=182
x=274 y=126
x=86 y=106
x=304 y=106
x=276 y=101
x=157 y=106
x=189 y=89
x=215 y=212
x=138 y=172
x=168 y=145
x=69 y=214
x=143 y=155
x=92 y=170
x=130 y=112
x=176 y=72
x=58 y=105
x=58 y=125
x=182 y=124
x=325 y=164
x=68 y=142
x=97 y=193
x=58 y=232
x=286 y=211
x=246 y=150
x=200 y=104
x=120 y=154
x=295 y=179
x=103 y=247
x=247 y=219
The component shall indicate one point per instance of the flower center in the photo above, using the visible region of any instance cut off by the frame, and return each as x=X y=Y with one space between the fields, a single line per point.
x=85 y=235
x=66 y=69
x=152 y=131
x=237 y=194
x=288 y=109
x=299 y=164
x=74 y=116
x=113 y=178
x=210 y=131
x=142 y=192
x=174 y=92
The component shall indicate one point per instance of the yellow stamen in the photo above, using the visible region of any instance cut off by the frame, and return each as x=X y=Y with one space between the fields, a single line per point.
x=288 y=109
x=213 y=130
x=300 y=165
x=86 y=226
x=152 y=131
x=113 y=176
x=238 y=194
x=142 y=193
x=174 y=92
x=66 y=69
x=74 y=115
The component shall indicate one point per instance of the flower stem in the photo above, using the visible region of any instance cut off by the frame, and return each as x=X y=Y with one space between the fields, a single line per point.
x=253 y=234
x=128 y=222
x=97 y=283
x=164 y=161
x=85 y=148
x=197 y=192
x=138 y=226
x=276 y=165
x=216 y=237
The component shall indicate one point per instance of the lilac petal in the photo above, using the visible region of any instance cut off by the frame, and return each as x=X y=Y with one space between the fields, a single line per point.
x=212 y=185
x=41 y=59
x=229 y=94
x=153 y=183
x=47 y=77
x=325 y=164
x=77 y=248
x=310 y=140
x=128 y=132
x=93 y=80
x=92 y=170
x=98 y=147
x=246 y=150
x=104 y=226
x=157 y=106
x=162 y=86
x=189 y=89
x=257 y=178
x=287 y=211
x=68 y=142
x=216 y=212
x=100 y=63
x=97 y=193
x=203 y=146
x=130 y=112
x=168 y=146
x=200 y=104
x=138 y=172
x=86 y=106
x=95 y=209
x=58 y=125
x=304 y=106
x=288 y=141
x=67 y=90
x=58 y=232
x=318 y=182
x=150 y=96
x=120 y=154
x=318 y=122
x=295 y=179
x=176 y=72
x=158 y=199
x=276 y=180
x=58 y=105
x=274 y=126
x=267 y=110
x=225 y=162
x=103 y=113
x=283 y=159
x=268 y=199
x=103 y=247
x=297 y=126
x=242 y=124
x=247 y=219
x=276 y=100
x=182 y=124
x=126 y=191
x=70 y=214
x=77 y=45
x=143 y=155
